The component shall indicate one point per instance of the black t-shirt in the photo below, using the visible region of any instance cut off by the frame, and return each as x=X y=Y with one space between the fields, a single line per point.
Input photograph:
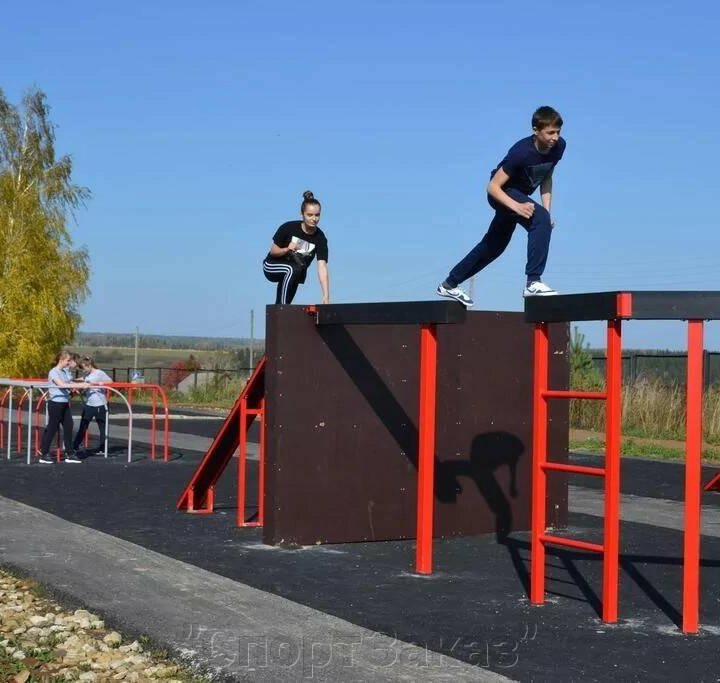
x=309 y=246
x=527 y=167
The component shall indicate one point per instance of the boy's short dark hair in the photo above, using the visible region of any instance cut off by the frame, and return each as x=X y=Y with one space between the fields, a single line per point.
x=544 y=117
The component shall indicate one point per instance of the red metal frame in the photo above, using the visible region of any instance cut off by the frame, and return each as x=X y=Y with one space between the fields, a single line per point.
x=199 y=495
x=610 y=548
x=426 y=448
x=713 y=484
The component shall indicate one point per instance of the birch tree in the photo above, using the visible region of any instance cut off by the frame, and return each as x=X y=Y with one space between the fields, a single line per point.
x=43 y=277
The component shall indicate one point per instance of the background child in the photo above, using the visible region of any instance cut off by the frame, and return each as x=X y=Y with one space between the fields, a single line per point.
x=59 y=410
x=96 y=404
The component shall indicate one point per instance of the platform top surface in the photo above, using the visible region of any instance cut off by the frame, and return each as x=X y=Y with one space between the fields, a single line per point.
x=389 y=313
x=637 y=305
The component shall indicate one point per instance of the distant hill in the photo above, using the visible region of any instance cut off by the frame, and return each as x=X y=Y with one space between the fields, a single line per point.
x=164 y=341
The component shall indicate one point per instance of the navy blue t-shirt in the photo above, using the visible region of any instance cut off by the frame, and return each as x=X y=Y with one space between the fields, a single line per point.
x=527 y=167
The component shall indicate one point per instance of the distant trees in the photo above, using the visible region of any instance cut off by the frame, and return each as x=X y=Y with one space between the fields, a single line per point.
x=43 y=278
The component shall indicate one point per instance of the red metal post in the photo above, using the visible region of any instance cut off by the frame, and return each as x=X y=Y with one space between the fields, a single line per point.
x=261 y=466
x=152 y=423
x=539 y=477
x=426 y=448
x=613 y=437
x=693 y=455
x=242 y=452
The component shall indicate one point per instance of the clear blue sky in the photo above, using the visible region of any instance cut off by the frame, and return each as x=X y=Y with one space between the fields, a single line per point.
x=197 y=126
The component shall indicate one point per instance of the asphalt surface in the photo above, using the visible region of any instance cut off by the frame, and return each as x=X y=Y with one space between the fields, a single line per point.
x=473 y=609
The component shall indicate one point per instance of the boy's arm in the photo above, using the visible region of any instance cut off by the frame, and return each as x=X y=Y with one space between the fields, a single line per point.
x=324 y=277
x=495 y=190
x=546 y=188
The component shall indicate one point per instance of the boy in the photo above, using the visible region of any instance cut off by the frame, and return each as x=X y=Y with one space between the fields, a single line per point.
x=528 y=164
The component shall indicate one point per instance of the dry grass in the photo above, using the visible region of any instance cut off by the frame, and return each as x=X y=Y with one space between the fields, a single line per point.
x=650 y=409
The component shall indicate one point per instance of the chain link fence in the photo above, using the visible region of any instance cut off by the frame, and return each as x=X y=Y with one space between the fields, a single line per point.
x=172 y=378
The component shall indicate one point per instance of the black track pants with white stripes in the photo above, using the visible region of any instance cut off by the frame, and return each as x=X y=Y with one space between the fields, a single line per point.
x=288 y=276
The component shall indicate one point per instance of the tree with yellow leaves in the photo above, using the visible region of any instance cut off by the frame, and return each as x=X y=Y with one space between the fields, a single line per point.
x=43 y=278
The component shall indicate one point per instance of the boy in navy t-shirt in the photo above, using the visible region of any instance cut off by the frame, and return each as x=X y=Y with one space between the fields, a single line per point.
x=529 y=164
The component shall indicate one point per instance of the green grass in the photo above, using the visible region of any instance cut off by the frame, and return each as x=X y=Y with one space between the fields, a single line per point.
x=631 y=447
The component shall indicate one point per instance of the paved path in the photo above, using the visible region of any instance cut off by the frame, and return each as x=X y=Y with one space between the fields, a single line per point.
x=222 y=625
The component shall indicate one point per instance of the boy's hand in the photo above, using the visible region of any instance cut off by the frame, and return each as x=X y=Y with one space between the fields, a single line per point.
x=526 y=210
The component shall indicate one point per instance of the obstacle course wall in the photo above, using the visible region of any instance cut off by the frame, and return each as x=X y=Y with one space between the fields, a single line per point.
x=342 y=406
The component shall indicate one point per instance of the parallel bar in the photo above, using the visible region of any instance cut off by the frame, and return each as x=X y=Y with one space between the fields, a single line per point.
x=639 y=305
x=574 y=469
x=394 y=313
x=571 y=307
x=572 y=543
x=539 y=455
x=426 y=448
x=693 y=484
x=613 y=414
x=561 y=393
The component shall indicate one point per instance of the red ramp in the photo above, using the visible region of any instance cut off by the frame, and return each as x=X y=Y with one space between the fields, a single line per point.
x=199 y=494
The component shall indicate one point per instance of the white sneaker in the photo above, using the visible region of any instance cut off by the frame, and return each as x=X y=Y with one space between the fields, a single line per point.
x=538 y=288
x=455 y=293
x=46 y=460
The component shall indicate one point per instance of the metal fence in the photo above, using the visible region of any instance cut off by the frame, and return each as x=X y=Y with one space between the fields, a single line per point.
x=170 y=377
x=668 y=368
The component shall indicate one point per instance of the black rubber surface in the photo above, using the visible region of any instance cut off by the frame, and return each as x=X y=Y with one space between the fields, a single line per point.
x=474 y=607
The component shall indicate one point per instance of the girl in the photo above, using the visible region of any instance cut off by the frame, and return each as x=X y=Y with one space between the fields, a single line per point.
x=96 y=404
x=59 y=411
x=294 y=246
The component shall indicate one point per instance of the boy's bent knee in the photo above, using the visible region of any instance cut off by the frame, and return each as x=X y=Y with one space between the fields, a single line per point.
x=541 y=217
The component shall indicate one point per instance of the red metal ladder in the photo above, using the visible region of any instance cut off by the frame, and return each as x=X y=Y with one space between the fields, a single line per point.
x=613 y=432
x=611 y=471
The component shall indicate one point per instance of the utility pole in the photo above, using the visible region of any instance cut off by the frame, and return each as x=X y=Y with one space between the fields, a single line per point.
x=135 y=365
x=252 y=339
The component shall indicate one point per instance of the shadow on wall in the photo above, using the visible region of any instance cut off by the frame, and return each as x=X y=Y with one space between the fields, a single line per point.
x=489 y=452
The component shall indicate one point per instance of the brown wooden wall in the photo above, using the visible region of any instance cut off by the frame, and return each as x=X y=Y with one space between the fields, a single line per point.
x=342 y=405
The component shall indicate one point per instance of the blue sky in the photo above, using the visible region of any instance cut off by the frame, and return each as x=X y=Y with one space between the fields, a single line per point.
x=197 y=126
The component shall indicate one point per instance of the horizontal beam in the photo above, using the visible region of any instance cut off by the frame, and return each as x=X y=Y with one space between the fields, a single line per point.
x=393 y=313
x=686 y=305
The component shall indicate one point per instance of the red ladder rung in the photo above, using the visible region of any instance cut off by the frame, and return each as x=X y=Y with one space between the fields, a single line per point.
x=575 y=469
x=572 y=543
x=561 y=393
